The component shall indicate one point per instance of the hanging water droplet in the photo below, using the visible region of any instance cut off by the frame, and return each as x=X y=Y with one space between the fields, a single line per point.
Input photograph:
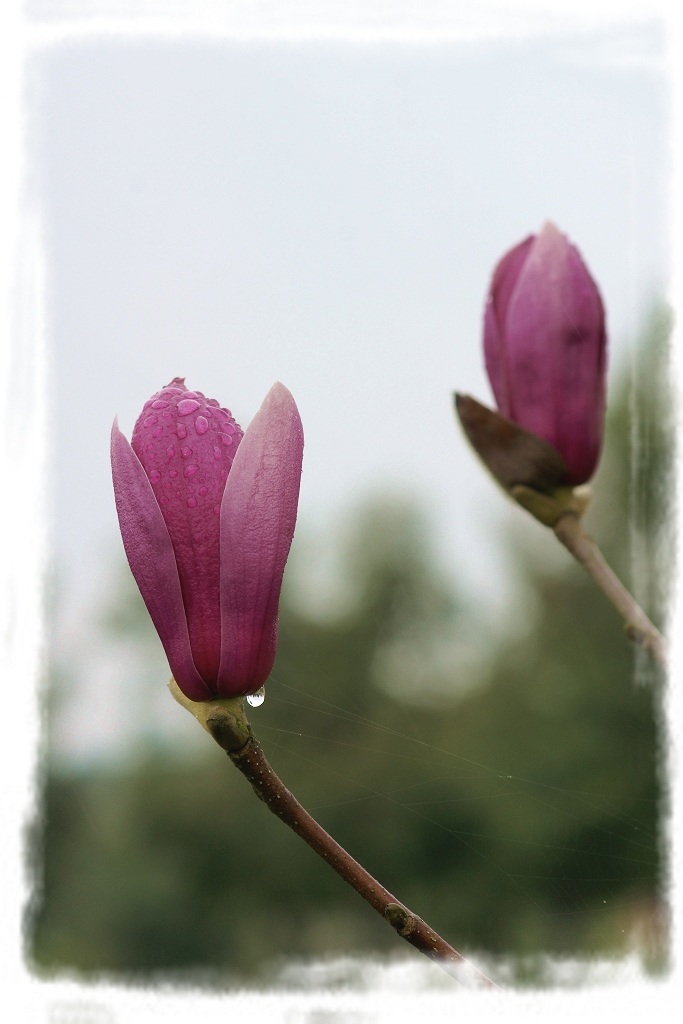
x=255 y=700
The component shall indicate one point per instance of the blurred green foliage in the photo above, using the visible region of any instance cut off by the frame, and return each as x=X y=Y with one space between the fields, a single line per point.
x=521 y=815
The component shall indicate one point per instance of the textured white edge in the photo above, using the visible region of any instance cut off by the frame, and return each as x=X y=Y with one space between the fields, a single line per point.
x=22 y=469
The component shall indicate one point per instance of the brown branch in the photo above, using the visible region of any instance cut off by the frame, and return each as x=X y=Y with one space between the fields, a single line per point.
x=569 y=530
x=226 y=722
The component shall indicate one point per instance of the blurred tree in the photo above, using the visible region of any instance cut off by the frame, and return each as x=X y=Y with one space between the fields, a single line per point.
x=518 y=811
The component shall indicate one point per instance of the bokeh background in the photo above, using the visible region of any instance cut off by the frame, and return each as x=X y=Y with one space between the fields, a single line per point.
x=452 y=699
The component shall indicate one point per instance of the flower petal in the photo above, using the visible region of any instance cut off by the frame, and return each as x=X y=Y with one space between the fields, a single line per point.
x=258 y=515
x=554 y=338
x=502 y=286
x=150 y=555
x=186 y=445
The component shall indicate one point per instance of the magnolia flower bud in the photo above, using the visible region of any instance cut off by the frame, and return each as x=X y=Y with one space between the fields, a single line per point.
x=545 y=348
x=207 y=515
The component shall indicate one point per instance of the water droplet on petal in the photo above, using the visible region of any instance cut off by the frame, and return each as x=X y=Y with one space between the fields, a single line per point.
x=190 y=470
x=158 y=432
x=216 y=452
x=164 y=500
x=181 y=431
x=203 y=491
x=168 y=486
x=177 y=494
x=155 y=476
x=186 y=452
x=229 y=428
x=187 y=405
x=159 y=404
x=255 y=700
x=225 y=438
x=150 y=421
x=217 y=509
x=173 y=472
x=170 y=451
x=147 y=404
x=201 y=425
x=191 y=502
x=214 y=402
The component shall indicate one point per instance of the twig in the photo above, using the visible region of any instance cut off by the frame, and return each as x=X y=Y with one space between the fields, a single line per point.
x=569 y=530
x=226 y=722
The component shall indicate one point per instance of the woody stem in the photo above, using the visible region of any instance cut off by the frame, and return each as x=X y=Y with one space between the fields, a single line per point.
x=252 y=762
x=569 y=530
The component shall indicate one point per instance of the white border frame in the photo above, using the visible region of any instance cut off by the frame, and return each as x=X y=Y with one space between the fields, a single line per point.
x=50 y=23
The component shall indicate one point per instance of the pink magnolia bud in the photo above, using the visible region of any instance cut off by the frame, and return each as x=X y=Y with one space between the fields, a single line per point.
x=546 y=349
x=207 y=515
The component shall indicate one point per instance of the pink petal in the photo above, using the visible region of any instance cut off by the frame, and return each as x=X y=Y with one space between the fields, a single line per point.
x=150 y=554
x=555 y=352
x=258 y=515
x=502 y=286
x=178 y=453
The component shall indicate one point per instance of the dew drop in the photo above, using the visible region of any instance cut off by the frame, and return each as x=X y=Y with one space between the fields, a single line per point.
x=255 y=700
x=158 y=432
x=159 y=404
x=155 y=476
x=164 y=500
x=225 y=438
x=167 y=416
x=217 y=509
x=170 y=451
x=173 y=472
x=168 y=486
x=190 y=470
x=230 y=428
x=177 y=494
x=187 y=405
x=214 y=402
x=191 y=502
x=186 y=451
x=181 y=431
x=216 y=452
x=147 y=404
x=201 y=425
x=203 y=491
x=150 y=421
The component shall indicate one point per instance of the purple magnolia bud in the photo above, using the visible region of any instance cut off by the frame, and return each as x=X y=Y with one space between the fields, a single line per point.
x=207 y=515
x=546 y=349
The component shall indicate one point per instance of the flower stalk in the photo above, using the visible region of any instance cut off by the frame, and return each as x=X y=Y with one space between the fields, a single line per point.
x=570 y=532
x=226 y=722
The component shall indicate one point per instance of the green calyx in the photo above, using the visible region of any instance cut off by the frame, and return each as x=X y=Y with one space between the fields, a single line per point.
x=549 y=508
x=223 y=718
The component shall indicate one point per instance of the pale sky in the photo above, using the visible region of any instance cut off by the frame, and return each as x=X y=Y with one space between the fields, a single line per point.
x=328 y=215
